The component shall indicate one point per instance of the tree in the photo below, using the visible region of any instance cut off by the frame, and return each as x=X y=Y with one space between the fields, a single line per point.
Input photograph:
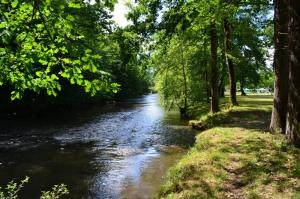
x=293 y=113
x=131 y=73
x=214 y=107
x=229 y=63
x=281 y=66
x=201 y=23
x=286 y=108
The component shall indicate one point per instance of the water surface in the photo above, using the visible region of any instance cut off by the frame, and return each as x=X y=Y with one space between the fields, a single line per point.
x=117 y=151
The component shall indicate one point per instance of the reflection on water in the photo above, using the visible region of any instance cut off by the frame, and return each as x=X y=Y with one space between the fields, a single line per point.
x=120 y=151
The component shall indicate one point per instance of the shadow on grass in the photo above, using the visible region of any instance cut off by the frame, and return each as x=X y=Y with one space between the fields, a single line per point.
x=237 y=159
x=254 y=112
x=249 y=119
x=264 y=164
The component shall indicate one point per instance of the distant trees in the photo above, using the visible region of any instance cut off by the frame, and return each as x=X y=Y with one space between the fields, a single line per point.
x=286 y=108
x=131 y=73
x=216 y=35
x=176 y=79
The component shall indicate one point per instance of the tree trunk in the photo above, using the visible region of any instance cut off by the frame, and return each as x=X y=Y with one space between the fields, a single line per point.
x=222 y=89
x=222 y=78
x=184 y=110
x=207 y=86
x=242 y=85
x=221 y=86
x=281 y=67
x=293 y=116
x=214 y=107
x=229 y=63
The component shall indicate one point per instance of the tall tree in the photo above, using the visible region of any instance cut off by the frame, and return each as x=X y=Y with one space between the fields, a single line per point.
x=293 y=115
x=184 y=109
x=281 y=66
x=214 y=69
x=229 y=63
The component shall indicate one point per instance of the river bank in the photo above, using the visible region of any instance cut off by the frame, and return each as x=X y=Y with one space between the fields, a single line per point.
x=237 y=158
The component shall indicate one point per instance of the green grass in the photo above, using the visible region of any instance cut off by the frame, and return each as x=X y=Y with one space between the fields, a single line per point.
x=237 y=159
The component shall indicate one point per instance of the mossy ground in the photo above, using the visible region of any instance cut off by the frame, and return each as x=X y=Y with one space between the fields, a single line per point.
x=238 y=159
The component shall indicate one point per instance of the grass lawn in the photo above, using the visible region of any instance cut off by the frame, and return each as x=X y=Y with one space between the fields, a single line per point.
x=238 y=158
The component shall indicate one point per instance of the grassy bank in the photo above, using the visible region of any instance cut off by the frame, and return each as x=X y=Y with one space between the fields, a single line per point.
x=238 y=158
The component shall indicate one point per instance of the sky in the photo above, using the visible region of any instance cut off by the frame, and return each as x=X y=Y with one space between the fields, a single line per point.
x=119 y=13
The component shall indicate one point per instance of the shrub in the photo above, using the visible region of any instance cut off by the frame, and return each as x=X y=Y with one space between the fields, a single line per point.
x=13 y=188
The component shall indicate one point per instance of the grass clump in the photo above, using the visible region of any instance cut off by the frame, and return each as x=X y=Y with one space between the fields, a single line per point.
x=211 y=120
x=237 y=159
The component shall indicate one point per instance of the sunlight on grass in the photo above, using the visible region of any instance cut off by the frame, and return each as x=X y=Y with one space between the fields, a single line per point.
x=238 y=163
x=238 y=159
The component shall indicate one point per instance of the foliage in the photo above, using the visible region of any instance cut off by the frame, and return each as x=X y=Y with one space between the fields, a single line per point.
x=13 y=188
x=184 y=26
x=42 y=42
x=133 y=73
x=175 y=75
x=67 y=53
x=56 y=192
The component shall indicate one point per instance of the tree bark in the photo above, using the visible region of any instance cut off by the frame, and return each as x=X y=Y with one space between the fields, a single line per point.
x=222 y=79
x=229 y=63
x=222 y=89
x=214 y=105
x=293 y=115
x=184 y=110
x=281 y=66
x=208 y=94
x=242 y=83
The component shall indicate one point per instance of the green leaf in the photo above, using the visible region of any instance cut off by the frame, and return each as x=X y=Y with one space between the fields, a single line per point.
x=93 y=67
x=87 y=51
x=15 y=95
x=67 y=61
x=39 y=73
x=43 y=62
x=64 y=74
x=15 y=3
x=4 y=1
x=73 y=5
x=85 y=59
x=64 y=49
x=21 y=36
x=3 y=24
x=70 y=18
x=88 y=86
x=72 y=80
x=54 y=77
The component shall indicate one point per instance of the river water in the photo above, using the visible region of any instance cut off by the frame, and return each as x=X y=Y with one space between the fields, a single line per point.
x=117 y=151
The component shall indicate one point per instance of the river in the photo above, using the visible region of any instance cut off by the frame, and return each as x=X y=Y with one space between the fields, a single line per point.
x=116 y=151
